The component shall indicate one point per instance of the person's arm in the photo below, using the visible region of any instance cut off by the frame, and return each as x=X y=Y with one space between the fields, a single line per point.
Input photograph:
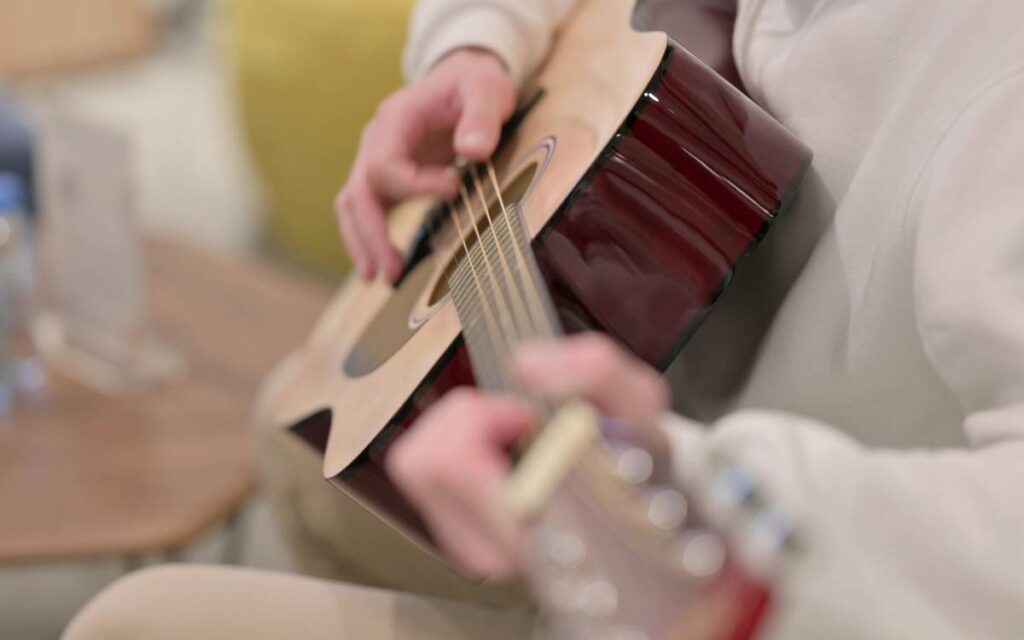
x=464 y=60
x=919 y=544
x=517 y=31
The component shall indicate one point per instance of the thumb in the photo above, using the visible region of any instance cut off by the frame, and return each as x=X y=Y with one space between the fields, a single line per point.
x=485 y=107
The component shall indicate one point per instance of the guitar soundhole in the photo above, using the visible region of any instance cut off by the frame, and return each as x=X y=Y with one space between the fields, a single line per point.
x=407 y=308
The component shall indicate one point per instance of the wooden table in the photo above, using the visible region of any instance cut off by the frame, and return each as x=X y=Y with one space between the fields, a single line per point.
x=48 y=36
x=87 y=476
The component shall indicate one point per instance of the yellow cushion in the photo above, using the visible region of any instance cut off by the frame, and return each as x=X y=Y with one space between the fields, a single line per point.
x=310 y=74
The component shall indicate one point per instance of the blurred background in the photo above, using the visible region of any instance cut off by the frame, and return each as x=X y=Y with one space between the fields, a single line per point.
x=240 y=118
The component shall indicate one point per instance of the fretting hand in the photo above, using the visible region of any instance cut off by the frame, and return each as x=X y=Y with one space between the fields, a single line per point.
x=453 y=464
x=408 y=147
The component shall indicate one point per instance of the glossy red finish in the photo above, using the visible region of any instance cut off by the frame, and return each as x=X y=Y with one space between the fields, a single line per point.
x=646 y=242
x=644 y=248
x=751 y=600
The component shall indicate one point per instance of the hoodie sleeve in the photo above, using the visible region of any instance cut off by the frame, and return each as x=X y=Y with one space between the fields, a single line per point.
x=517 y=31
x=907 y=544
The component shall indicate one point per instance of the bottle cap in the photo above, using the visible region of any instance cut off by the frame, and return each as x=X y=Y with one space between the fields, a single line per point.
x=11 y=192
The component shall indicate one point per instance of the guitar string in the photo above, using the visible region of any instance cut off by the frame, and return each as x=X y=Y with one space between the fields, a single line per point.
x=498 y=290
x=520 y=317
x=543 y=324
x=526 y=275
x=490 y=321
x=524 y=317
x=523 y=320
x=541 y=319
x=508 y=333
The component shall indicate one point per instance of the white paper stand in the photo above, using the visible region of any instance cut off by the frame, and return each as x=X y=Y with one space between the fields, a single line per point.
x=93 y=318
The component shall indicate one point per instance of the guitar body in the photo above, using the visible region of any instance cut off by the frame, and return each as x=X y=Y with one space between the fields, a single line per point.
x=642 y=177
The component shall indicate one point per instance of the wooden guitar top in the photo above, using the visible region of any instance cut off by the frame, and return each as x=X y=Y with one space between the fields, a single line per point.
x=595 y=75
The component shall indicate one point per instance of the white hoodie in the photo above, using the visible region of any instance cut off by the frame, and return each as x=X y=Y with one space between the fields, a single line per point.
x=868 y=362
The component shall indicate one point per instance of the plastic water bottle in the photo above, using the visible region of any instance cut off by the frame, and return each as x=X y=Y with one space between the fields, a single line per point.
x=20 y=370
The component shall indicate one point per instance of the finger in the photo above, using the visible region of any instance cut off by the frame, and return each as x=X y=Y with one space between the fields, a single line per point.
x=411 y=125
x=467 y=414
x=350 y=236
x=476 y=530
x=370 y=224
x=457 y=486
x=486 y=104
x=391 y=175
x=477 y=430
x=595 y=369
x=460 y=532
x=399 y=180
x=345 y=210
x=471 y=471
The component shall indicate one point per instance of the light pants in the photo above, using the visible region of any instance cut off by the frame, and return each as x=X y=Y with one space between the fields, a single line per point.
x=331 y=536
x=196 y=602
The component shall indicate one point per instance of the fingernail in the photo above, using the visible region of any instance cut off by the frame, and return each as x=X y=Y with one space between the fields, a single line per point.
x=472 y=141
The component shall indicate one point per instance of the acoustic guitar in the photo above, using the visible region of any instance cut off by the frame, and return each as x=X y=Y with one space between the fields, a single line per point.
x=625 y=191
